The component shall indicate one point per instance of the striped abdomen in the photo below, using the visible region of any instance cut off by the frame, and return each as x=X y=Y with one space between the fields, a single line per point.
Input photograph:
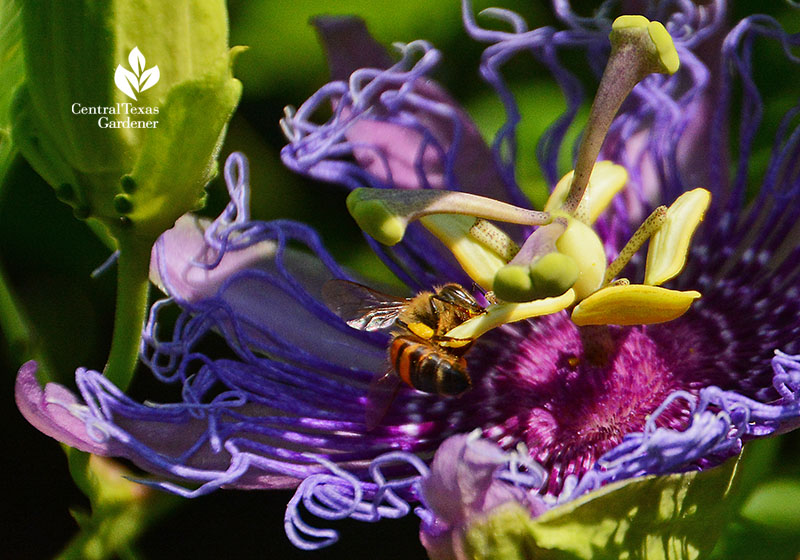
x=426 y=368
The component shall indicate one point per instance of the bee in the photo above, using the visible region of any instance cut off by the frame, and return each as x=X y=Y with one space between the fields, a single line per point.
x=420 y=353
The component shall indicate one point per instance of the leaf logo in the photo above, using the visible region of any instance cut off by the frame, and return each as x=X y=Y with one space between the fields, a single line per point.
x=131 y=83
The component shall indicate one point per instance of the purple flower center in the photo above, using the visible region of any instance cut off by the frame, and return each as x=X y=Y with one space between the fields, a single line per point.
x=572 y=393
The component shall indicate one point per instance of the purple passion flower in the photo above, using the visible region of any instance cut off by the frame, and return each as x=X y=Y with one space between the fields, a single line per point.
x=561 y=409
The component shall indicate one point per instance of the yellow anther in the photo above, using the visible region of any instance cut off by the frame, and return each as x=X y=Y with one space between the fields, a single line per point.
x=632 y=305
x=421 y=330
x=669 y=246
x=502 y=313
x=477 y=260
x=455 y=342
x=606 y=180
x=630 y=22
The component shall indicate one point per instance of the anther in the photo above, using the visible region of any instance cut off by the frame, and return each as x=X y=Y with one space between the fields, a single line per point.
x=606 y=180
x=477 y=259
x=666 y=255
x=638 y=47
x=503 y=313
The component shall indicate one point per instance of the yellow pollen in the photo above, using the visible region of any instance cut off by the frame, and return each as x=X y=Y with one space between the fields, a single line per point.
x=421 y=330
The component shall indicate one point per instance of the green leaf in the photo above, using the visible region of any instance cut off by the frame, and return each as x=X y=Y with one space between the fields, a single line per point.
x=11 y=75
x=675 y=517
x=776 y=505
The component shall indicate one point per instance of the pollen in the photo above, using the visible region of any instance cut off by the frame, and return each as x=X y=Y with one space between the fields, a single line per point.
x=421 y=330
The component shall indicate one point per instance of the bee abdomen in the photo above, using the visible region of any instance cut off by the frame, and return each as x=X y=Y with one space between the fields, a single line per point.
x=425 y=369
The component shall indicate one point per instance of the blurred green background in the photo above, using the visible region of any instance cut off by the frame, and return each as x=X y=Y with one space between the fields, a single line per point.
x=48 y=256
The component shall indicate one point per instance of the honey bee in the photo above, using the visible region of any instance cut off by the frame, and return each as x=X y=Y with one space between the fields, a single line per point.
x=420 y=353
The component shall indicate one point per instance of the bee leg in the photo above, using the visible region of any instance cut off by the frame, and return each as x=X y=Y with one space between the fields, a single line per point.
x=488 y=294
x=420 y=329
x=458 y=297
x=478 y=288
x=434 y=307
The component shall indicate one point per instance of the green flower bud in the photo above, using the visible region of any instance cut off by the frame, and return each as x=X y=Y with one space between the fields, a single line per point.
x=125 y=97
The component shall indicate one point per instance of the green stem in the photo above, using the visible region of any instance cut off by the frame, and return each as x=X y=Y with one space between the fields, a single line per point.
x=133 y=268
x=122 y=510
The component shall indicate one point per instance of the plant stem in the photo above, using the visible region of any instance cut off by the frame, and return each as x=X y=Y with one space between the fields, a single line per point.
x=133 y=285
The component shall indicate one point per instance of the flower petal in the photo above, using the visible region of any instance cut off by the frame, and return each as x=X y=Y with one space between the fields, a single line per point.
x=648 y=517
x=174 y=441
x=48 y=411
x=349 y=46
x=431 y=143
x=268 y=287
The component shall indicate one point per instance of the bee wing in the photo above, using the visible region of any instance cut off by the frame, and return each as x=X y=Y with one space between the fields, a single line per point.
x=380 y=395
x=361 y=307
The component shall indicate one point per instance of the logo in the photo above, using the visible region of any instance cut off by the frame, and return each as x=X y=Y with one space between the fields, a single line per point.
x=139 y=80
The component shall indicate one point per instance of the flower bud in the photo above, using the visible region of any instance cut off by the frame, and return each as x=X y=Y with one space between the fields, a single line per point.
x=124 y=105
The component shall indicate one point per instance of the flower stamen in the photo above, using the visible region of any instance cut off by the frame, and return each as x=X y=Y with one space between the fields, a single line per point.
x=669 y=246
x=503 y=313
x=478 y=259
